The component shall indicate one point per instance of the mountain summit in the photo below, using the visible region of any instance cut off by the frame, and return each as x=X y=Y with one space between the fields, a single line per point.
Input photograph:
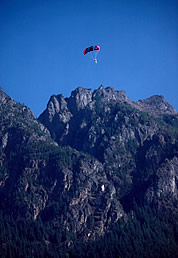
x=96 y=173
x=66 y=117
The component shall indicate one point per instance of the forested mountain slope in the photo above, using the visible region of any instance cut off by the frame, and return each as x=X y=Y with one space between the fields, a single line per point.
x=92 y=166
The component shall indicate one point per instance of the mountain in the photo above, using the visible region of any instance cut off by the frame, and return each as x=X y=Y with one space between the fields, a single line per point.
x=92 y=164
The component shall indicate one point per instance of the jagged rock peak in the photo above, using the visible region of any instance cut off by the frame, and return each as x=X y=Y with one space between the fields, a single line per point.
x=80 y=98
x=109 y=93
x=56 y=103
x=10 y=106
x=4 y=97
x=80 y=91
x=156 y=105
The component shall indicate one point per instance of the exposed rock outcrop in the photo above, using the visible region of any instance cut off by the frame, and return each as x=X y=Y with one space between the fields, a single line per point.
x=156 y=105
x=81 y=166
x=163 y=192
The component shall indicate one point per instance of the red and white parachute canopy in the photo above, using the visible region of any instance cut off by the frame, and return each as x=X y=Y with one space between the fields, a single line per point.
x=92 y=48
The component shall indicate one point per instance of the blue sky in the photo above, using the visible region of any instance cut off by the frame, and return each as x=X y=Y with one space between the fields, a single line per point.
x=42 y=43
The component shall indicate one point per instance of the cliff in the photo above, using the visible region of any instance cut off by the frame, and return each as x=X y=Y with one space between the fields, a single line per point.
x=84 y=164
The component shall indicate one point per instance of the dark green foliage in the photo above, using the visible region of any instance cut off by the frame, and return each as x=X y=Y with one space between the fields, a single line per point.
x=21 y=238
x=144 y=234
x=171 y=120
x=131 y=146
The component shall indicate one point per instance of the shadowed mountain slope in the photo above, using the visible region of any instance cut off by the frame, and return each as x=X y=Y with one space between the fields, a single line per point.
x=84 y=166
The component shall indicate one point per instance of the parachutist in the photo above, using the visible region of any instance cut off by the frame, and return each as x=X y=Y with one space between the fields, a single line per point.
x=96 y=49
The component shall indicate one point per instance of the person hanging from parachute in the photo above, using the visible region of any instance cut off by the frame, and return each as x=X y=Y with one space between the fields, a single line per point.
x=95 y=50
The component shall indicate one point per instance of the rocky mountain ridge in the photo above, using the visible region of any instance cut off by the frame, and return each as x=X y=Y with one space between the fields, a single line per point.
x=67 y=118
x=111 y=127
x=81 y=97
x=87 y=160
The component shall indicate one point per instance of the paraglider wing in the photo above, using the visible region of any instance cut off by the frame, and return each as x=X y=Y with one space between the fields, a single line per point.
x=91 y=49
x=88 y=49
x=85 y=51
x=97 y=48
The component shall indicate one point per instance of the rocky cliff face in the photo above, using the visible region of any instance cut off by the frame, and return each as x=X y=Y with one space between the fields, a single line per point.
x=123 y=135
x=37 y=175
x=156 y=105
x=63 y=114
x=87 y=159
x=165 y=186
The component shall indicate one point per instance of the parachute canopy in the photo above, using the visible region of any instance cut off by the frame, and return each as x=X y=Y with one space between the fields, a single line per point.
x=92 y=48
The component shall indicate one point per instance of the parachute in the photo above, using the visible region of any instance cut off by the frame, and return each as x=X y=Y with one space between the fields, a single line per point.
x=94 y=49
